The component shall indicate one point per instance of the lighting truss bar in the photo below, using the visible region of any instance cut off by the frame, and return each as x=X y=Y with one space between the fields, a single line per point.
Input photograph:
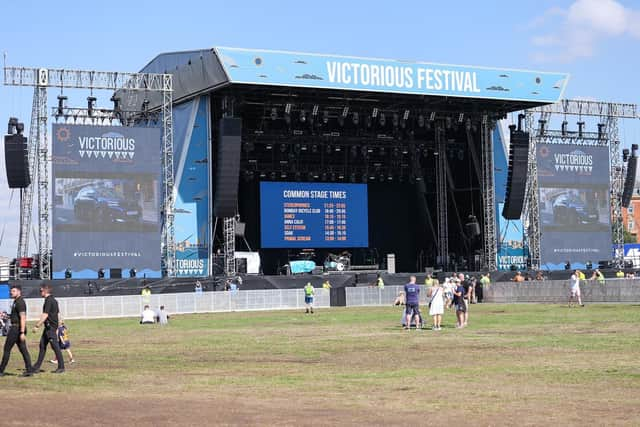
x=576 y=107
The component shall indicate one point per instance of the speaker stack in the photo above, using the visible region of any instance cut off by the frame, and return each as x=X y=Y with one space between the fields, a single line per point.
x=225 y=199
x=517 y=174
x=16 y=156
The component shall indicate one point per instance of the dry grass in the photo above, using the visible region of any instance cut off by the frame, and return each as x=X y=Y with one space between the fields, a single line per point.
x=515 y=364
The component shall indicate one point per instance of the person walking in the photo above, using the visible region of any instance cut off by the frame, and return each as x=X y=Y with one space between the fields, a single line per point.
x=17 y=334
x=436 y=304
x=574 y=281
x=412 y=307
x=48 y=318
x=64 y=342
x=309 y=292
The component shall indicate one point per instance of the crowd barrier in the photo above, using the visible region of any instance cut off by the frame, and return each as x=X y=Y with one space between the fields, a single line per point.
x=552 y=291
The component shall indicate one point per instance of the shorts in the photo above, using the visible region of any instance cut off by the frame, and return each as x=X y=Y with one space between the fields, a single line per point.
x=461 y=307
x=575 y=292
x=308 y=300
x=64 y=346
x=412 y=309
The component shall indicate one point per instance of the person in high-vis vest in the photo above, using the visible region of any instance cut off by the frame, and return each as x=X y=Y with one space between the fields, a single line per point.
x=308 y=297
x=620 y=274
x=379 y=282
x=598 y=276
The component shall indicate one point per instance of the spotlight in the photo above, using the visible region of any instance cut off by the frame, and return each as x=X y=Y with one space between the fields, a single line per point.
x=314 y=111
x=272 y=175
x=563 y=128
x=101 y=273
x=116 y=103
x=303 y=116
x=132 y=272
x=374 y=113
x=625 y=154
x=345 y=111
x=91 y=103
x=580 y=129
x=287 y=108
x=383 y=119
x=406 y=115
x=325 y=117
x=274 y=113
x=67 y=273
x=283 y=175
x=61 y=102
x=541 y=128
x=356 y=118
x=461 y=118
x=601 y=128
x=589 y=265
x=432 y=116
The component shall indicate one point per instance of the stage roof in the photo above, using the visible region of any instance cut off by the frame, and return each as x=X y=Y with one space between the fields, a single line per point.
x=200 y=71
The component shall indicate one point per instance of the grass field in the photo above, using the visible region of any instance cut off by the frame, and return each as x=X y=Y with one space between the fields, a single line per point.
x=515 y=364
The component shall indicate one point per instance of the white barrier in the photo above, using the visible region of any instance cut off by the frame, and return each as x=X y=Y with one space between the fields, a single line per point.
x=180 y=303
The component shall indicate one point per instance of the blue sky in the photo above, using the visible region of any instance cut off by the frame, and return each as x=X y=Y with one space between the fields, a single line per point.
x=596 y=41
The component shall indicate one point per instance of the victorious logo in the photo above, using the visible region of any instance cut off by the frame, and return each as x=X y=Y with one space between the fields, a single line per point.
x=112 y=145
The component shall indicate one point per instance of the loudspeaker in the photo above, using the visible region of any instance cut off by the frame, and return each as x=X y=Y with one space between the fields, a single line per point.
x=240 y=228
x=115 y=273
x=472 y=229
x=629 y=181
x=16 y=157
x=241 y=265
x=225 y=197
x=517 y=175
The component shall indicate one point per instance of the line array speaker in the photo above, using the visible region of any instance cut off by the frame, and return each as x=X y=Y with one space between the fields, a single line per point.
x=517 y=175
x=227 y=175
x=629 y=181
x=16 y=157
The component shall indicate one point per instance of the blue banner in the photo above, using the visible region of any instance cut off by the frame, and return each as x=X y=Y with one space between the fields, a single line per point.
x=261 y=67
x=313 y=215
x=106 y=199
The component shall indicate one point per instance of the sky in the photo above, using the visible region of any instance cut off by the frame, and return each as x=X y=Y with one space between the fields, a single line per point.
x=595 y=41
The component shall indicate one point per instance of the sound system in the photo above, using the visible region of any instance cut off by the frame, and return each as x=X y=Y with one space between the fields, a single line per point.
x=241 y=265
x=227 y=175
x=472 y=228
x=115 y=273
x=240 y=228
x=517 y=175
x=629 y=181
x=16 y=157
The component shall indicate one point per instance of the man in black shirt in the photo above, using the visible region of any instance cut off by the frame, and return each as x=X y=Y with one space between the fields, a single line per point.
x=48 y=318
x=17 y=332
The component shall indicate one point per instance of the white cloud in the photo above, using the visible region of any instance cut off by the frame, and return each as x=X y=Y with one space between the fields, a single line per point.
x=574 y=33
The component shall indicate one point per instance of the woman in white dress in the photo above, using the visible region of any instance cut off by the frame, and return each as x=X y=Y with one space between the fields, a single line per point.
x=436 y=304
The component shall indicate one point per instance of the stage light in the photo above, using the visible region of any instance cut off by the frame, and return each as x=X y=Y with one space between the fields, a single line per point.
x=460 y=154
x=467 y=125
x=268 y=147
x=382 y=152
x=356 y=118
x=314 y=148
x=101 y=273
x=345 y=111
x=367 y=122
x=323 y=176
x=381 y=177
x=601 y=131
x=315 y=175
x=302 y=147
x=272 y=175
x=432 y=116
x=61 y=102
x=448 y=121
x=287 y=108
x=364 y=150
x=580 y=129
x=352 y=177
x=341 y=176
x=563 y=128
x=389 y=177
x=332 y=176
x=461 y=118
x=420 y=121
x=283 y=148
x=541 y=127
x=338 y=149
x=325 y=116
x=90 y=104
x=364 y=177
x=67 y=273
x=263 y=174
x=589 y=265
x=303 y=116
x=374 y=113
x=394 y=120
x=310 y=176
x=274 y=113
x=383 y=119
x=132 y=272
x=625 y=154
x=314 y=111
x=634 y=148
x=283 y=174
x=405 y=150
x=567 y=265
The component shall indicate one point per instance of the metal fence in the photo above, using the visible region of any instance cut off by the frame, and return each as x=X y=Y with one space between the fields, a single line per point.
x=180 y=303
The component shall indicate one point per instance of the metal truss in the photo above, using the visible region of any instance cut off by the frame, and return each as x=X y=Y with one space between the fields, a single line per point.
x=609 y=113
x=229 y=246
x=441 y=196
x=43 y=78
x=488 y=195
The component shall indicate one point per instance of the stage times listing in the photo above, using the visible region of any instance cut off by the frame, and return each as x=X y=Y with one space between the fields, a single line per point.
x=325 y=207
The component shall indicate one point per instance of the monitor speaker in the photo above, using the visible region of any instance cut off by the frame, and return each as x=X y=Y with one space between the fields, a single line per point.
x=115 y=273
x=241 y=265
x=16 y=157
x=517 y=175
x=227 y=175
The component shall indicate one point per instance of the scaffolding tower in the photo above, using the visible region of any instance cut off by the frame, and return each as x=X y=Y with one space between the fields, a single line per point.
x=488 y=194
x=38 y=150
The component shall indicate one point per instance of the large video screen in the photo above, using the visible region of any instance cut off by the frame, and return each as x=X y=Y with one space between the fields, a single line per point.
x=313 y=215
x=106 y=200
x=575 y=215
